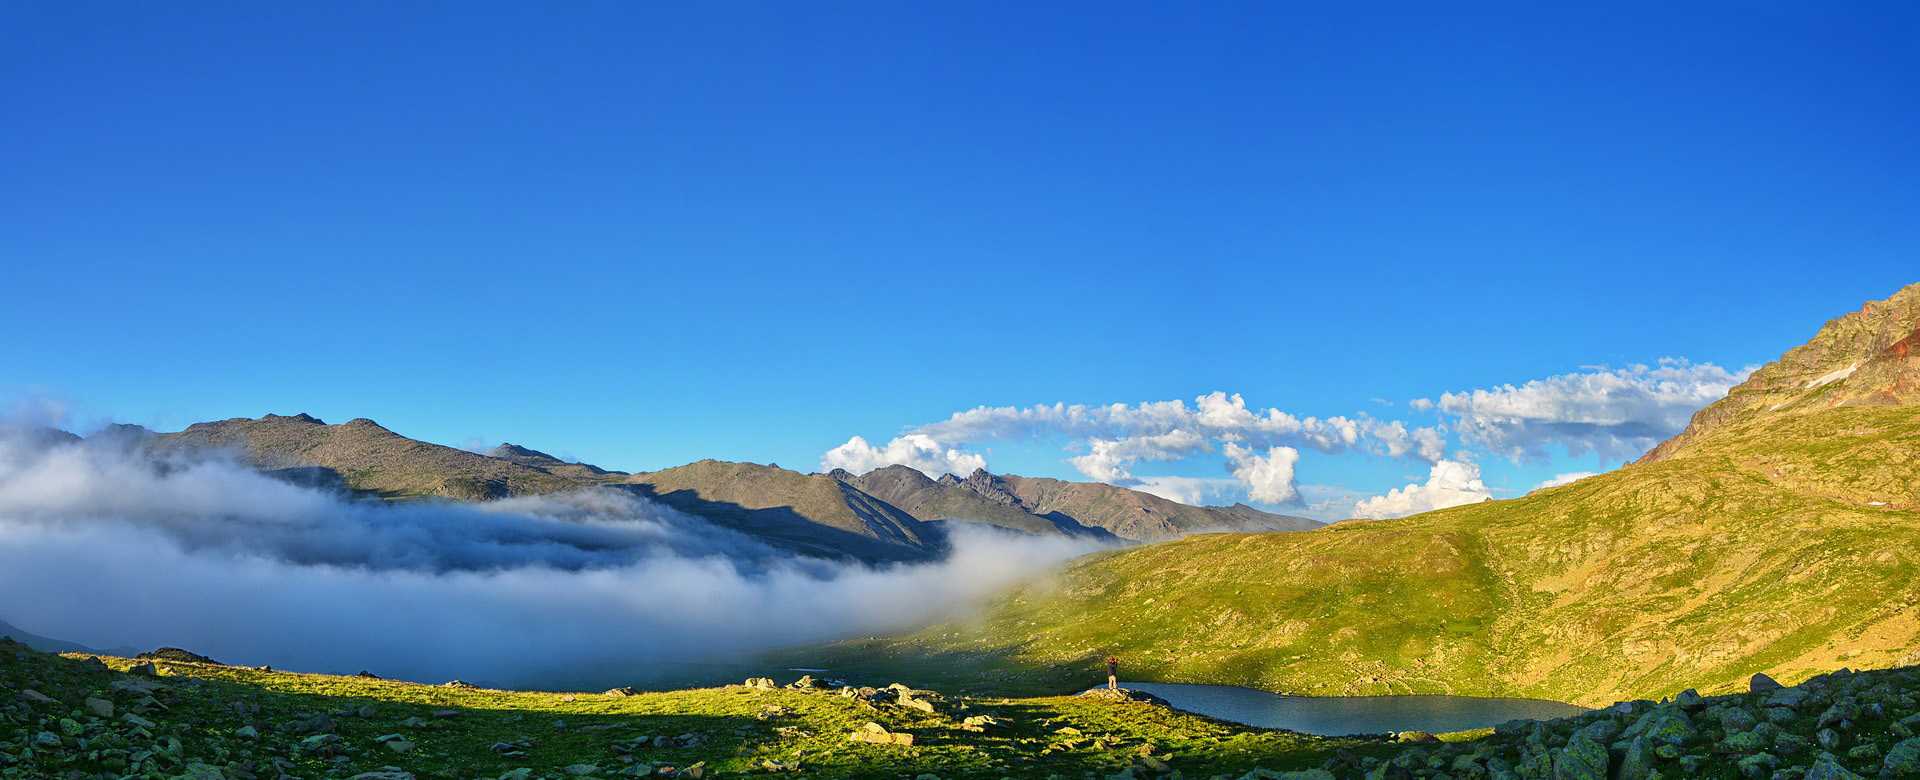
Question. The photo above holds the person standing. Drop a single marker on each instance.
(1113, 673)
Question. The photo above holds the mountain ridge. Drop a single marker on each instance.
(888, 514)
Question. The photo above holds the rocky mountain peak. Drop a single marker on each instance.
(1869, 357)
(991, 488)
(512, 451)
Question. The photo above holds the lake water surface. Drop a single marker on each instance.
(1341, 715)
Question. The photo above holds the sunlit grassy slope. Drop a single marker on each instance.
(1789, 545)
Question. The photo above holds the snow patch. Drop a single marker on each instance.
(1833, 376)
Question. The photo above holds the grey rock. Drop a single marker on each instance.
(1758, 766)
(1734, 719)
(1664, 725)
(1903, 759)
(1581, 759)
(1637, 763)
(1826, 767)
(1690, 700)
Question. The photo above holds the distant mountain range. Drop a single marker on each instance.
(1779, 533)
(49, 645)
(889, 514)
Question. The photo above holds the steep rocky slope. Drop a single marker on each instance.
(1777, 535)
(1053, 506)
(811, 512)
(930, 500)
(1870, 357)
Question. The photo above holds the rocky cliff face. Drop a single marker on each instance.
(814, 513)
(930, 500)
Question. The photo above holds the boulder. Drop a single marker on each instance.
(1690, 700)
(979, 722)
(1664, 724)
(1734, 719)
(1903, 759)
(1743, 742)
(1758, 766)
(1826, 767)
(1637, 762)
(879, 735)
(177, 654)
(1581, 759)
(1761, 683)
(99, 707)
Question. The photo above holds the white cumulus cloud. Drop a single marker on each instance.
(1269, 477)
(916, 450)
(1449, 483)
(1193, 491)
(1111, 460)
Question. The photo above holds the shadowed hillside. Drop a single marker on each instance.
(1778, 534)
(812, 512)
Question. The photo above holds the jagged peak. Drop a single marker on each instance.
(296, 417)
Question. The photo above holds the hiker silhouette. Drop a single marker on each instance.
(1113, 673)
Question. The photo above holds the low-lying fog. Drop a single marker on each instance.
(103, 545)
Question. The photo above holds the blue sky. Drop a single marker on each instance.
(643, 235)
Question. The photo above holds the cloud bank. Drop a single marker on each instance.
(105, 546)
(1261, 445)
(1612, 412)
